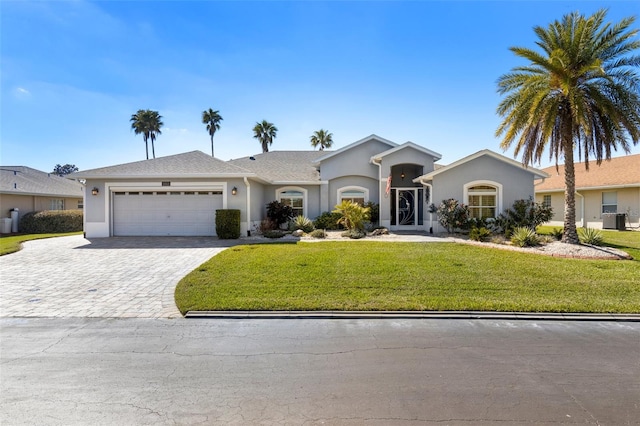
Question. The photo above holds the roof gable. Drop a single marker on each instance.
(369, 138)
(619, 171)
(408, 145)
(484, 152)
(188, 164)
(27, 181)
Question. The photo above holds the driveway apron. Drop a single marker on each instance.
(106, 277)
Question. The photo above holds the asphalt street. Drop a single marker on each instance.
(131, 371)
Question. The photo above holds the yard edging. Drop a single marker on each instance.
(468, 315)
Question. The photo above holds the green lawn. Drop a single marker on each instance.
(13, 243)
(408, 276)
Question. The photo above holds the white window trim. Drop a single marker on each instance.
(602, 205)
(497, 185)
(59, 204)
(305, 197)
(352, 188)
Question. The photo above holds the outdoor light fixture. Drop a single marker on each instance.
(95, 191)
(234, 191)
(402, 175)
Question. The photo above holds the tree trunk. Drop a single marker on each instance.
(153, 148)
(570, 234)
(212, 146)
(146, 147)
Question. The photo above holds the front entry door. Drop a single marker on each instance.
(406, 208)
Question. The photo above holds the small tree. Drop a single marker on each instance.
(279, 213)
(353, 215)
(67, 169)
(452, 215)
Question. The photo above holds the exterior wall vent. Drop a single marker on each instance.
(166, 183)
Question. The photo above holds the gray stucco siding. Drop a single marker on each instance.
(407, 156)
(312, 206)
(98, 208)
(372, 185)
(354, 162)
(516, 183)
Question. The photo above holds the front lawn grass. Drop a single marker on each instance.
(13, 243)
(375, 276)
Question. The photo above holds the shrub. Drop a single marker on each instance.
(328, 220)
(524, 237)
(318, 233)
(590, 236)
(353, 215)
(523, 213)
(274, 233)
(51, 221)
(228, 224)
(557, 233)
(279, 213)
(354, 234)
(479, 234)
(301, 222)
(451, 214)
(267, 225)
(374, 212)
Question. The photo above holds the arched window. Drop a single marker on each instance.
(294, 197)
(355, 194)
(483, 199)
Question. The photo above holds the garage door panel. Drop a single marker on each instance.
(165, 214)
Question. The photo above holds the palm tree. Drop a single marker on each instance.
(147, 123)
(265, 132)
(212, 119)
(580, 92)
(321, 138)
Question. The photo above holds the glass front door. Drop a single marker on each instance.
(406, 207)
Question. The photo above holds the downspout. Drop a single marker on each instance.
(584, 225)
(430, 186)
(248, 185)
(379, 164)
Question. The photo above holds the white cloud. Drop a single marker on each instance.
(22, 93)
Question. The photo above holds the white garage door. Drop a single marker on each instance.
(176, 213)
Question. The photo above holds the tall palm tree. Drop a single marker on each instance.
(212, 119)
(580, 92)
(147, 123)
(321, 138)
(265, 132)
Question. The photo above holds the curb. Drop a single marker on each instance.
(467, 315)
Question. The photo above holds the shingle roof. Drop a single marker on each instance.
(485, 152)
(27, 181)
(619, 171)
(283, 166)
(189, 164)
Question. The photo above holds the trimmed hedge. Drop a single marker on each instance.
(51, 221)
(228, 224)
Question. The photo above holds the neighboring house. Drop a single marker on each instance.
(606, 189)
(178, 195)
(31, 190)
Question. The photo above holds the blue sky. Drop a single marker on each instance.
(73, 72)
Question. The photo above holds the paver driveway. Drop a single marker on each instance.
(106, 277)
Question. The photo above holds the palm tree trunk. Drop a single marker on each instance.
(146, 147)
(153, 148)
(212, 146)
(570, 234)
